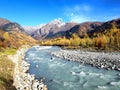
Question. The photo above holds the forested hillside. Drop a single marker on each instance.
(102, 38)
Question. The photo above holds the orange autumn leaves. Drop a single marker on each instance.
(109, 39)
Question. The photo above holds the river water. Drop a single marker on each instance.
(61, 74)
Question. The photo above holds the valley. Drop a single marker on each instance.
(81, 43)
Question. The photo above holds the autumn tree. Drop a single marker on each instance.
(75, 40)
(101, 41)
(6, 36)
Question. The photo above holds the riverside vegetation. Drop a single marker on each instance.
(10, 41)
(6, 70)
(106, 40)
(22, 79)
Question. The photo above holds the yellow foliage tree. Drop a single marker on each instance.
(101, 41)
(6, 36)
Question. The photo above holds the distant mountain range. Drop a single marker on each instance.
(32, 29)
(49, 30)
(58, 28)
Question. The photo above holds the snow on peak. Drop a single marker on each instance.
(57, 22)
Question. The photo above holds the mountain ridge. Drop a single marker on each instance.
(4, 21)
(75, 28)
(13, 35)
(48, 30)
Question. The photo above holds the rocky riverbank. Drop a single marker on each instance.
(97, 59)
(22, 79)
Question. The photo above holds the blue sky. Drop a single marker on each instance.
(34, 12)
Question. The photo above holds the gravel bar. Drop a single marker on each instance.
(110, 61)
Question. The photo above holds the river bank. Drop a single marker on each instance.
(22, 79)
(61, 74)
(6, 72)
(98, 59)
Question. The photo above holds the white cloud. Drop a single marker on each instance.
(78, 8)
(78, 13)
(78, 18)
(81, 8)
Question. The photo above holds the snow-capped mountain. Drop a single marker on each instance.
(58, 28)
(52, 28)
(57, 22)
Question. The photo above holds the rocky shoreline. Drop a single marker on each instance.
(22, 79)
(110, 61)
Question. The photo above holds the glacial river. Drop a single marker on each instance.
(61, 74)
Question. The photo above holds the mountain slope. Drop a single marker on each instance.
(58, 28)
(82, 29)
(106, 26)
(51, 29)
(91, 35)
(14, 39)
(3, 21)
(92, 27)
(31, 29)
(12, 26)
(13, 35)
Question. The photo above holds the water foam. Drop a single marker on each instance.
(115, 83)
(42, 48)
(102, 87)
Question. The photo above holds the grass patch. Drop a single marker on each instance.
(6, 70)
(8, 51)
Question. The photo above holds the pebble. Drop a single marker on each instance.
(36, 66)
(22, 79)
(98, 59)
